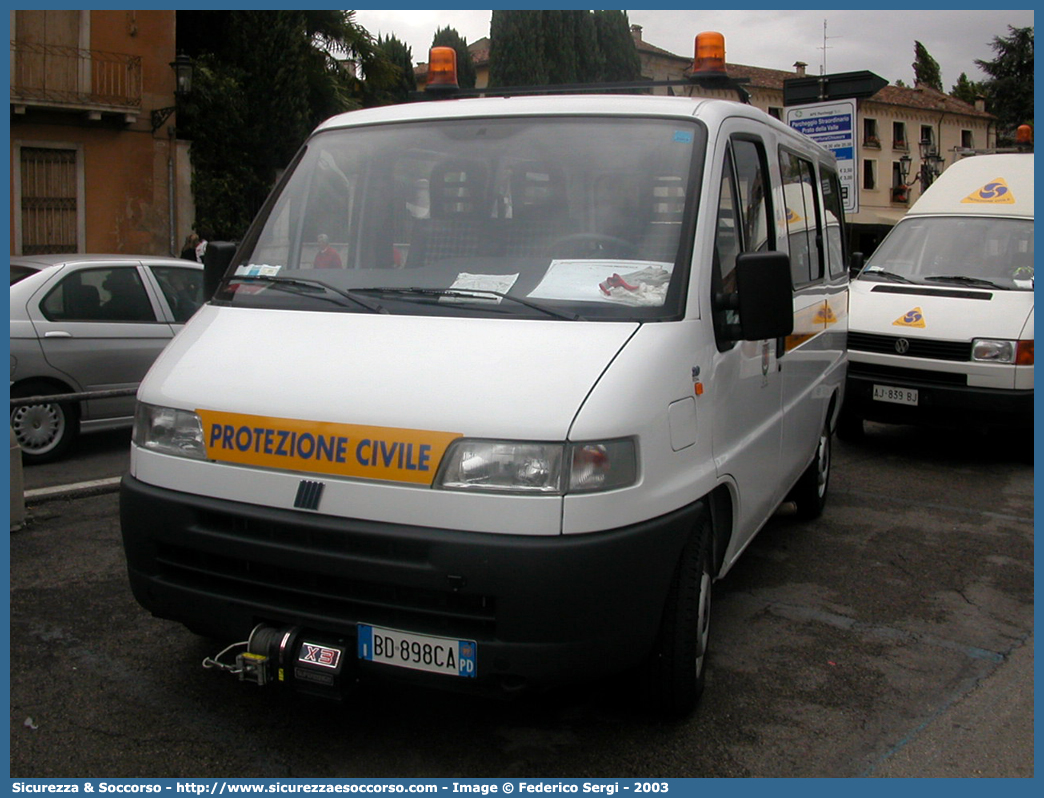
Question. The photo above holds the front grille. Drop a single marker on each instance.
(931, 349)
(312, 537)
(264, 579)
(889, 373)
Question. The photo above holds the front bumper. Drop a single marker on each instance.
(543, 610)
(939, 403)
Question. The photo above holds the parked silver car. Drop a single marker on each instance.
(87, 323)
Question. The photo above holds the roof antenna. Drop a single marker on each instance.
(825, 47)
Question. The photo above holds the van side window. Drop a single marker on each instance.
(758, 232)
(743, 220)
(835, 220)
(727, 237)
(804, 228)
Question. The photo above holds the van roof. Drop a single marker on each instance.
(999, 184)
(564, 105)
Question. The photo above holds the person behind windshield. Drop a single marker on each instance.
(327, 258)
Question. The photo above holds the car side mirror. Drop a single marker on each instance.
(855, 264)
(764, 297)
(216, 258)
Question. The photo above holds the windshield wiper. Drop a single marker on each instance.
(470, 293)
(891, 276)
(301, 282)
(964, 280)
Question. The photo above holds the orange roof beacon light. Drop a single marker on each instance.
(1024, 136)
(442, 70)
(710, 54)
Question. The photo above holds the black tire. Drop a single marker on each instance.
(810, 492)
(677, 668)
(45, 431)
(850, 426)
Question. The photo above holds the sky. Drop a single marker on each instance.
(881, 41)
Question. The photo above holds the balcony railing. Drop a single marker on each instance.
(57, 76)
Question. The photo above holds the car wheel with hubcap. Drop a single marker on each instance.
(44, 431)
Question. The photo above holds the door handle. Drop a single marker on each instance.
(58, 334)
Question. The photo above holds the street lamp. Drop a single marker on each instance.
(931, 165)
(182, 66)
(931, 162)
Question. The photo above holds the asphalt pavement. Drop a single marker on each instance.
(987, 731)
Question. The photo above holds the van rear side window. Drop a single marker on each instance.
(803, 223)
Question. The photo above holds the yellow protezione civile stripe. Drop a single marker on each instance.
(319, 447)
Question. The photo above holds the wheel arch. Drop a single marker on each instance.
(720, 505)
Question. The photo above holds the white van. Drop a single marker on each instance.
(941, 326)
(549, 383)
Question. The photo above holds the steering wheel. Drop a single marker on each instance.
(591, 243)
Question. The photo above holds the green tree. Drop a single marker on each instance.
(926, 69)
(516, 49)
(560, 52)
(263, 81)
(401, 57)
(590, 58)
(1009, 87)
(531, 48)
(967, 90)
(448, 37)
(616, 45)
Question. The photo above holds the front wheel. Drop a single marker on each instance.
(44, 431)
(810, 492)
(676, 671)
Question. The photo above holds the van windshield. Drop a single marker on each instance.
(545, 217)
(957, 250)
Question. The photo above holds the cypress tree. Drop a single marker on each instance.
(590, 58)
(926, 69)
(616, 44)
(401, 56)
(560, 52)
(516, 49)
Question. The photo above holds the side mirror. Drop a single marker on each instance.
(216, 258)
(855, 264)
(764, 297)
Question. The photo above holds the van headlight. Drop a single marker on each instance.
(991, 350)
(547, 469)
(168, 431)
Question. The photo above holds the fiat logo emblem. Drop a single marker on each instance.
(902, 346)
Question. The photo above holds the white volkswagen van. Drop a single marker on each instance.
(567, 361)
(941, 326)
